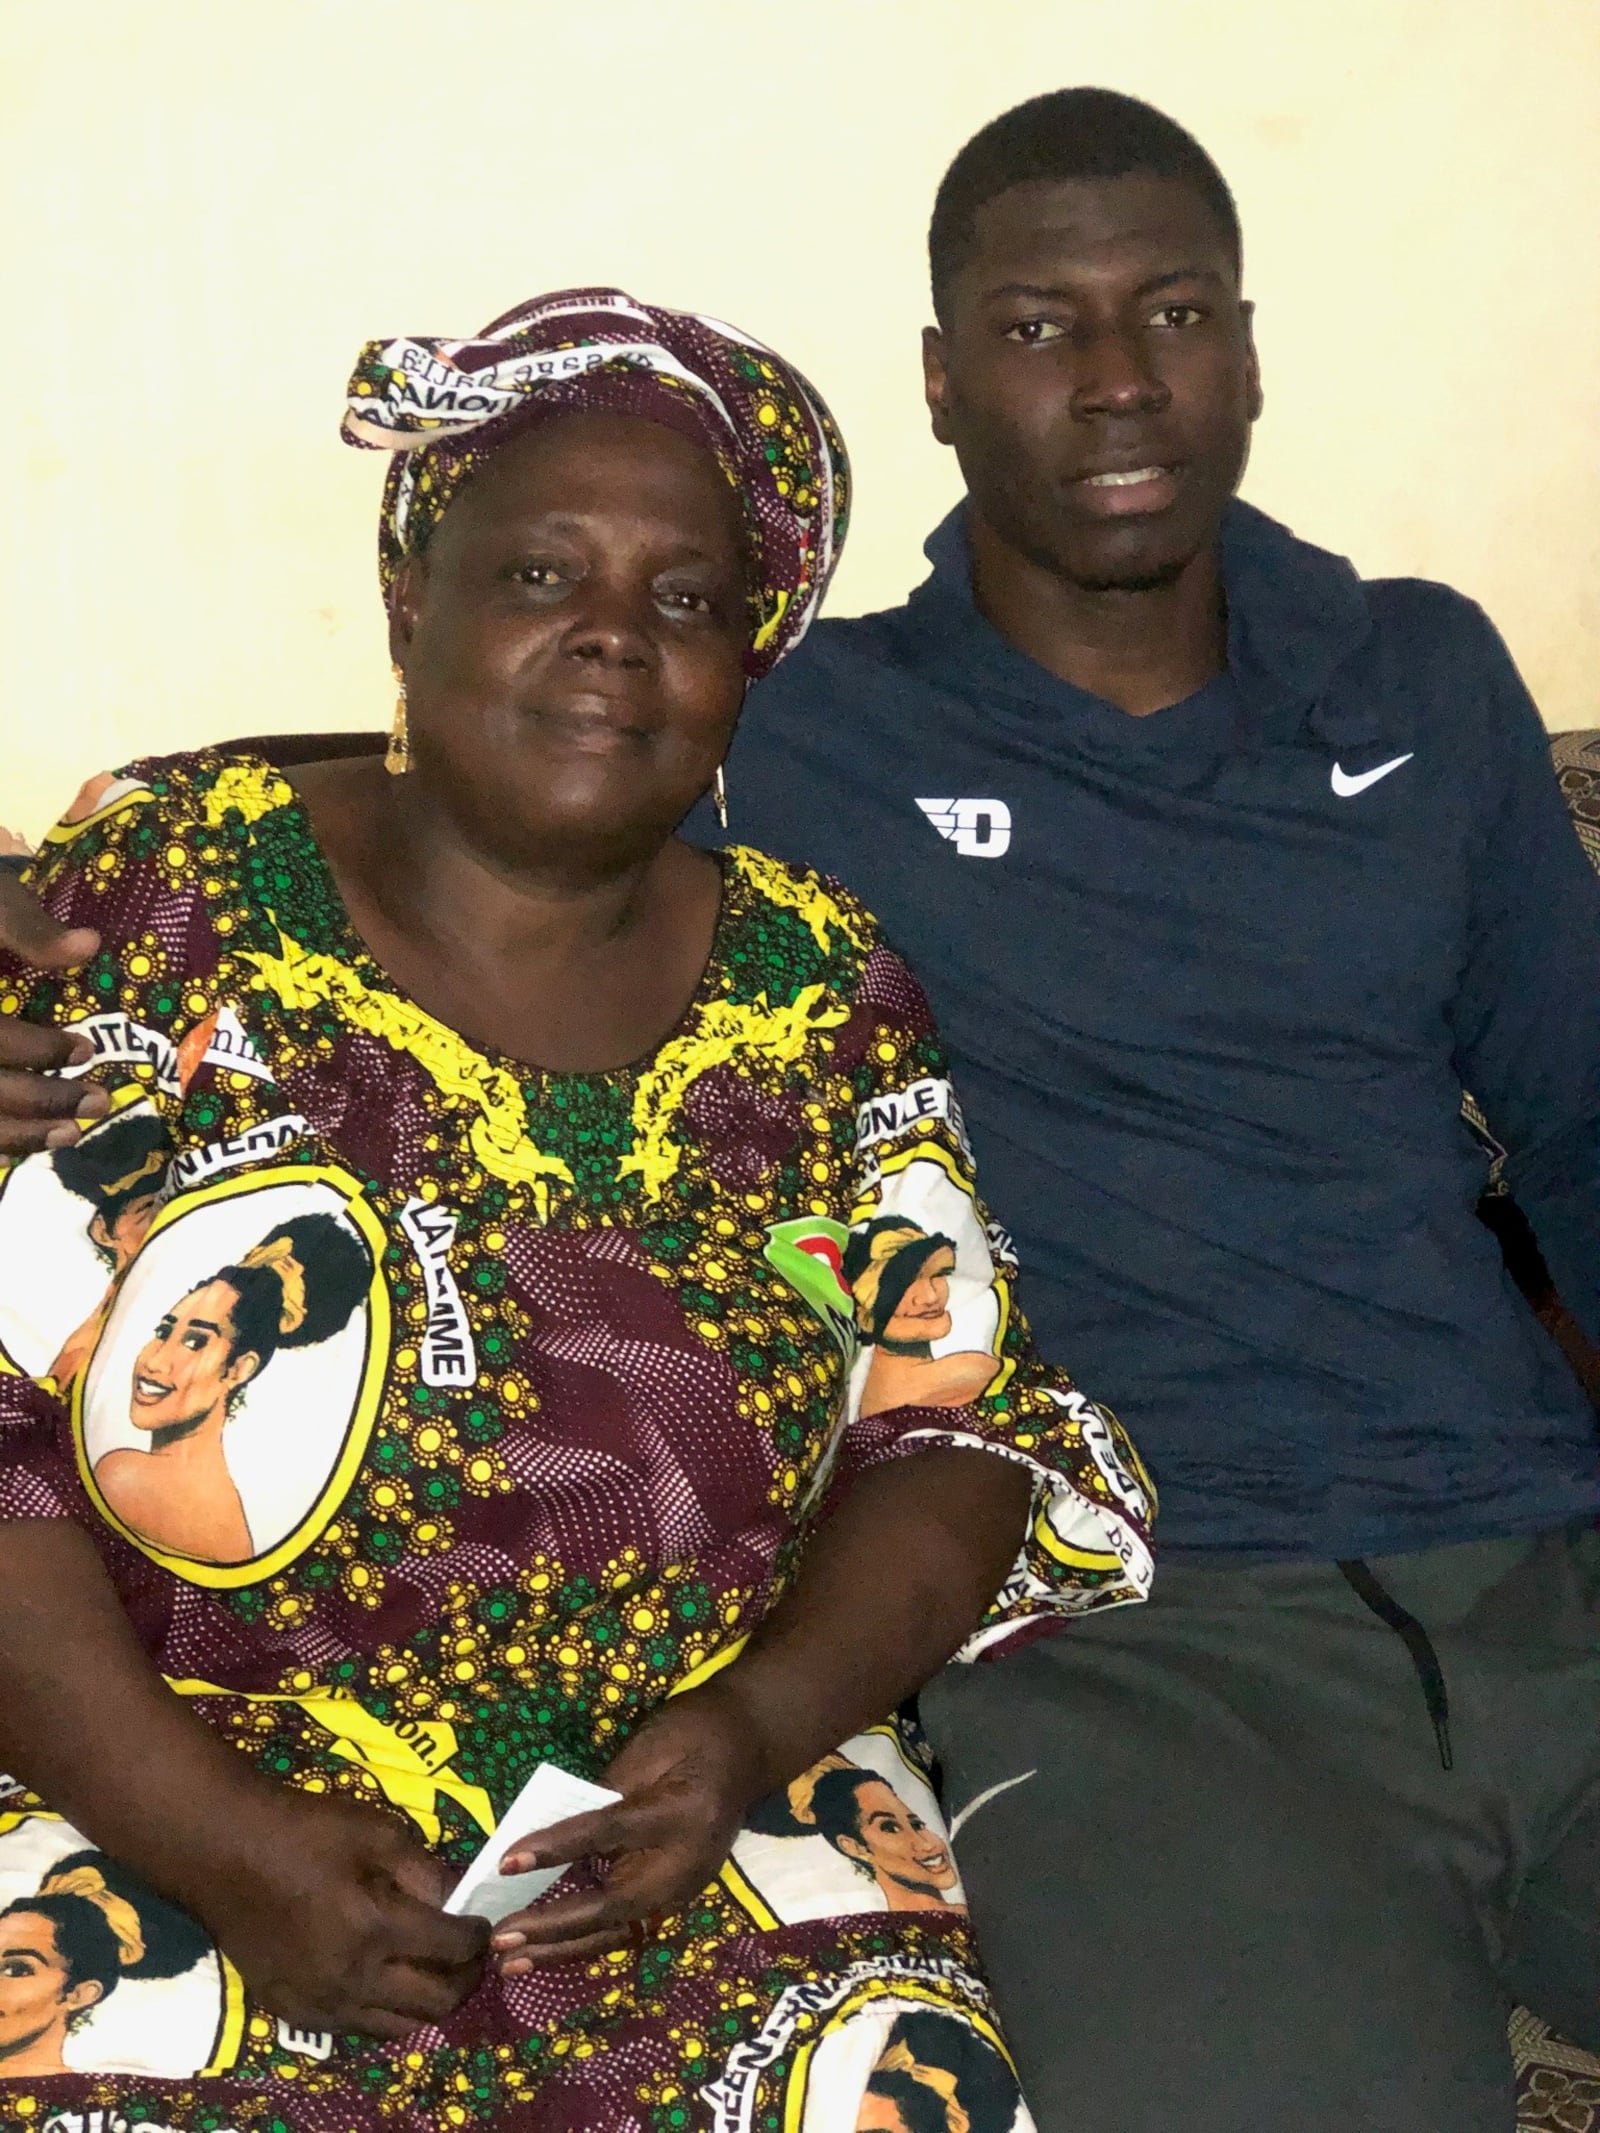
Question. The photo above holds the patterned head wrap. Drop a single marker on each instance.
(442, 406)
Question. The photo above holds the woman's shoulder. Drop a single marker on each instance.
(802, 918)
(199, 785)
(164, 841)
(823, 906)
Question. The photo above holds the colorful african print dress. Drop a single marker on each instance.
(436, 1418)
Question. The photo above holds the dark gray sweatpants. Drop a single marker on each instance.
(1236, 1890)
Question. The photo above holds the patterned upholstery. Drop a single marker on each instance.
(1558, 2086)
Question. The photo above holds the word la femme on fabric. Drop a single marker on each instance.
(503, 1399)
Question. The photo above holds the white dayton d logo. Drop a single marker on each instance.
(979, 829)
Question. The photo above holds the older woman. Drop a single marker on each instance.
(573, 1471)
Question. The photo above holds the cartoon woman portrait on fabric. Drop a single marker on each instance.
(59, 1291)
(228, 1376)
(860, 1830)
(95, 1968)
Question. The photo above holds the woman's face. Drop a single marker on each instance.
(923, 1313)
(573, 640)
(897, 1844)
(35, 1997)
(186, 1369)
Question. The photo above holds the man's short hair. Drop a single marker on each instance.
(1067, 133)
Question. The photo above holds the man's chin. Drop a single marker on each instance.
(1134, 558)
(1148, 581)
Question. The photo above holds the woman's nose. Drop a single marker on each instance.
(612, 627)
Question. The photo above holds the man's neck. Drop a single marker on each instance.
(1142, 651)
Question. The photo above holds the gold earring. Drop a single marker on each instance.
(397, 758)
(719, 796)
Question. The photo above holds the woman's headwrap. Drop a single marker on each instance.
(442, 406)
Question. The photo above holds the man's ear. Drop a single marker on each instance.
(936, 381)
(1252, 362)
(404, 605)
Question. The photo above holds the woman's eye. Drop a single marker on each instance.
(1031, 331)
(1178, 315)
(542, 575)
(685, 601)
(194, 1342)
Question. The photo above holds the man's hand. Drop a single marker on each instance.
(331, 1913)
(686, 1779)
(36, 1110)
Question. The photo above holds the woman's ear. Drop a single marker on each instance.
(82, 1997)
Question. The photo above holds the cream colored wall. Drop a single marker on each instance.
(212, 204)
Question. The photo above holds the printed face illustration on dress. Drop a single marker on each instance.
(910, 1289)
(88, 1955)
(71, 1223)
(40, 1990)
(904, 2045)
(936, 2074)
(233, 1370)
(859, 1831)
(908, 1859)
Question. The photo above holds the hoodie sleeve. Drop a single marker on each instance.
(1526, 1018)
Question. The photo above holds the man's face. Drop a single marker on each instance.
(1096, 376)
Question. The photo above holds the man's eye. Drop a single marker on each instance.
(1031, 331)
(1178, 315)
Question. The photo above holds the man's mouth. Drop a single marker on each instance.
(1124, 480)
(1120, 491)
(149, 1390)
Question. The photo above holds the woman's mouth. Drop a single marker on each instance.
(147, 1391)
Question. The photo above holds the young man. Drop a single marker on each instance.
(1228, 872)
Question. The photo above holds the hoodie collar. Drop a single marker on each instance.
(1296, 614)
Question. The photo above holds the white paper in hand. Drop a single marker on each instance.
(549, 1796)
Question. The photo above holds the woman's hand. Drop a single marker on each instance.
(330, 1912)
(686, 1779)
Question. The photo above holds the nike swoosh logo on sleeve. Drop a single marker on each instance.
(1347, 787)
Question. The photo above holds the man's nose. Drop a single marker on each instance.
(1116, 375)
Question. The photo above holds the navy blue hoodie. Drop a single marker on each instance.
(1213, 981)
